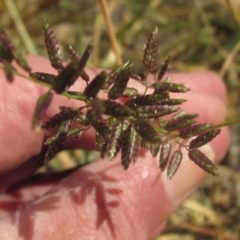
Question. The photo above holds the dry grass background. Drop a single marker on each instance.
(197, 34)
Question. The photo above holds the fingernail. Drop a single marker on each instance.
(188, 177)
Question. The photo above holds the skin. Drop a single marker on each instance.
(100, 200)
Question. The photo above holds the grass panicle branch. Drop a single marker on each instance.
(142, 120)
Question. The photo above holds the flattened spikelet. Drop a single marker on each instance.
(66, 78)
(98, 124)
(130, 92)
(55, 145)
(168, 86)
(171, 101)
(148, 99)
(6, 48)
(112, 108)
(8, 52)
(63, 115)
(6, 40)
(204, 138)
(179, 123)
(194, 130)
(83, 60)
(114, 143)
(43, 77)
(120, 84)
(146, 131)
(53, 48)
(112, 76)
(93, 88)
(153, 111)
(130, 147)
(101, 145)
(151, 52)
(40, 109)
(154, 148)
(72, 54)
(82, 119)
(138, 76)
(203, 162)
(136, 143)
(9, 71)
(163, 69)
(77, 95)
(183, 116)
(174, 163)
(75, 58)
(74, 134)
(164, 154)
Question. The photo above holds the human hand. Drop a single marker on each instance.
(100, 200)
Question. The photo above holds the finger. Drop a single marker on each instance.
(140, 193)
(109, 203)
(208, 82)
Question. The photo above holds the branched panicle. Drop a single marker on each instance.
(151, 52)
(53, 49)
(127, 119)
(202, 161)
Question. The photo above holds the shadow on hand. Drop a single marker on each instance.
(87, 184)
